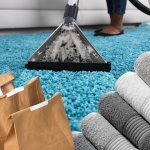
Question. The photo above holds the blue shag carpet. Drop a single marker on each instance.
(81, 91)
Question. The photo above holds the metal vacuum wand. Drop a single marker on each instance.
(71, 11)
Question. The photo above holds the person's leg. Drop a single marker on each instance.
(110, 8)
(110, 12)
(116, 25)
(119, 6)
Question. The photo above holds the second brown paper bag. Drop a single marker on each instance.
(41, 127)
(16, 100)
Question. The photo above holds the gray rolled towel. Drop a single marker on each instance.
(135, 92)
(125, 119)
(142, 67)
(102, 134)
(81, 142)
(115, 110)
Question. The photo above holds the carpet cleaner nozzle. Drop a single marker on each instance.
(67, 48)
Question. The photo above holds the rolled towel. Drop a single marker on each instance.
(115, 110)
(135, 92)
(81, 142)
(142, 67)
(102, 134)
(125, 119)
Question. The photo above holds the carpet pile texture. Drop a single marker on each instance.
(80, 91)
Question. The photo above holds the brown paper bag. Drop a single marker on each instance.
(6, 84)
(18, 99)
(41, 127)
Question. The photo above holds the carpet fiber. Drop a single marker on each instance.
(81, 91)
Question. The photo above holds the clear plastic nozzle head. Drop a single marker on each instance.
(72, 2)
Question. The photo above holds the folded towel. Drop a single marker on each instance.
(125, 119)
(81, 142)
(142, 67)
(135, 92)
(102, 134)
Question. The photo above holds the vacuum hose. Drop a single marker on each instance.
(71, 11)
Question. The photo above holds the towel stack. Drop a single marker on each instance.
(123, 118)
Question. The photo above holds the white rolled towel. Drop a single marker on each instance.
(135, 92)
(142, 67)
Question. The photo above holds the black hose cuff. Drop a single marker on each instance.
(71, 11)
